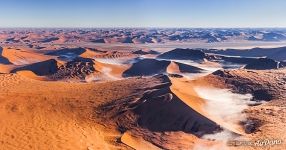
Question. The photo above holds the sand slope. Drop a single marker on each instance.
(148, 67)
(50, 115)
(47, 67)
(63, 119)
(3, 60)
(185, 91)
(22, 57)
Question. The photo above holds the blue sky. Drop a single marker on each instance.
(143, 13)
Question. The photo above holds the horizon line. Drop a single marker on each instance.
(142, 27)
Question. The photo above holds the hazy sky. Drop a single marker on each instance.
(143, 13)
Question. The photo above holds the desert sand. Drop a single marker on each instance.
(57, 96)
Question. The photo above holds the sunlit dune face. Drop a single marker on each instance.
(22, 57)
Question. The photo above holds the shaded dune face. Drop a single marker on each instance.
(97, 40)
(147, 67)
(263, 64)
(141, 52)
(273, 53)
(188, 68)
(158, 110)
(3, 60)
(164, 111)
(78, 68)
(201, 56)
(184, 54)
(47, 67)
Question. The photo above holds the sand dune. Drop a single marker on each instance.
(6, 68)
(178, 68)
(31, 75)
(85, 98)
(92, 53)
(88, 89)
(58, 117)
(184, 54)
(3, 60)
(113, 70)
(263, 64)
(173, 68)
(157, 110)
(137, 142)
(22, 57)
(186, 92)
(43, 68)
(272, 53)
(147, 67)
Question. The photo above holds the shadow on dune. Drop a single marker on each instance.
(273, 53)
(43, 68)
(148, 67)
(184, 54)
(158, 110)
(164, 111)
(3, 60)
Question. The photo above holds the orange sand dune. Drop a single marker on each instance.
(90, 53)
(114, 70)
(51, 115)
(173, 68)
(106, 72)
(32, 75)
(137, 142)
(184, 89)
(22, 57)
(42, 68)
(160, 113)
(6, 68)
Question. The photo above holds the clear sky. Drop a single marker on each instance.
(143, 13)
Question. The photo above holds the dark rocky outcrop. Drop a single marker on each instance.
(78, 68)
(264, 85)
